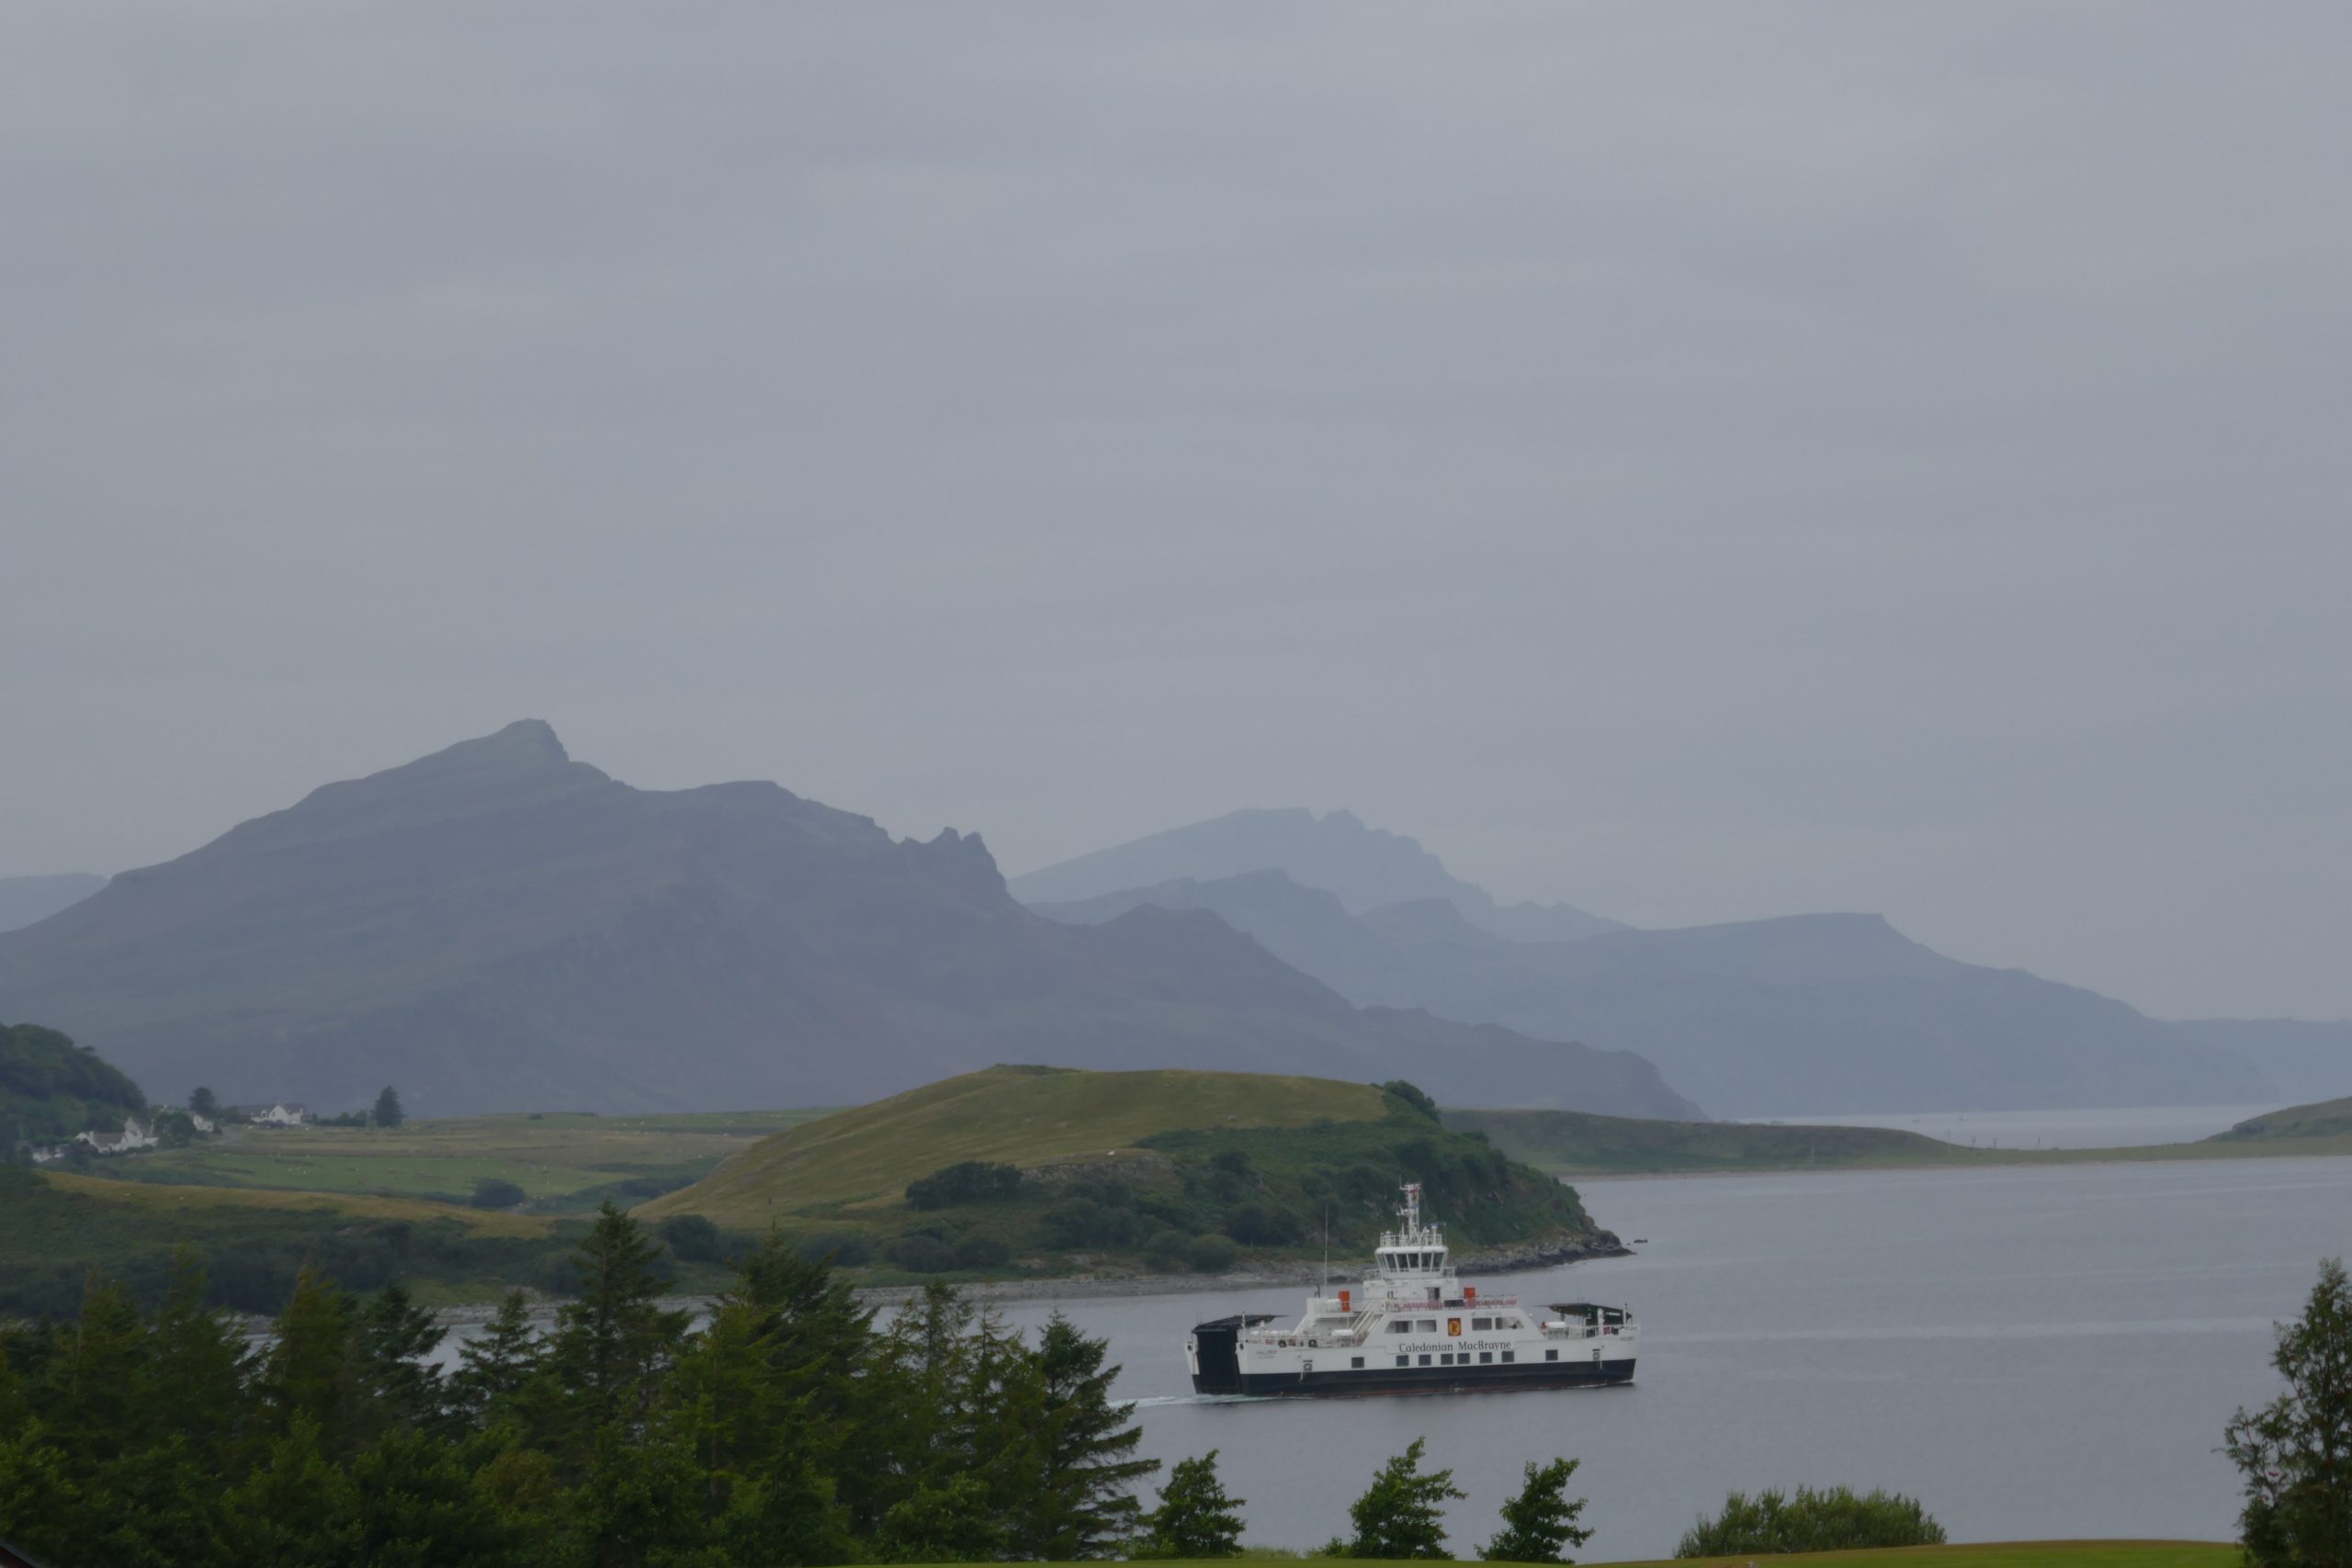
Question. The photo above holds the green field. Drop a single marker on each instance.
(563, 1162)
(56, 1228)
(1571, 1143)
(1991, 1554)
(863, 1159)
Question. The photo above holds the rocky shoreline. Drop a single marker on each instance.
(1085, 1287)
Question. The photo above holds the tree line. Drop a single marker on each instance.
(789, 1427)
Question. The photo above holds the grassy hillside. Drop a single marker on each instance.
(563, 1162)
(55, 1228)
(2327, 1119)
(1569, 1144)
(51, 1088)
(1571, 1141)
(1997, 1554)
(1161, 1169)
(1023, 1116)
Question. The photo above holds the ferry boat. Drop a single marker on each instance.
(1413, 1327)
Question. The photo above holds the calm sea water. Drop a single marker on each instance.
(2035, 1353)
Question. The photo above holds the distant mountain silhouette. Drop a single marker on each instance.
(2302, 1061)
(496, 926)
(1364, 867)
(24, 899)
(1806, 1014)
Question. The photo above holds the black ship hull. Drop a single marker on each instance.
(1342, 1384)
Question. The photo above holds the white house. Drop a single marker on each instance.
(277, 1114)
(135, 1135)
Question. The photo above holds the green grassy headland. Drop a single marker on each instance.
(1571, 1143)
(1998, 1554)
(1125, 1171)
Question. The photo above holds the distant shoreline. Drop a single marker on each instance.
(1982, 1159)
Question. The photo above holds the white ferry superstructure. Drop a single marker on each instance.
(1413, 1327)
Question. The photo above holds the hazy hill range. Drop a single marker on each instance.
(498, 926)
(1814, 1013)
(24, 899)
(1363, 867)
(2300, 1060)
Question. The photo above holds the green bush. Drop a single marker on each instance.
(497, 1193)
(1262, 1224)
(690, 1238)
(1834, 1521)
(1209, 1254)
(1082, 1222)
(967, 1181)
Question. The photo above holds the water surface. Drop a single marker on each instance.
(2035, 1352)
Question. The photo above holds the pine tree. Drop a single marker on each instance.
(2296, 1452)
(1196, 1519)
(1086, 1446)
(196, 1365)
(493, 1367)
(1541, 1522)
(613, 1343)
(388, 1112)
(205, 1104)
(396, 1341)
(306, 1374)
(1402, 1514)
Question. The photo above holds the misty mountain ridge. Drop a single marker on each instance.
(1821, 1014)
(497, 926)
(25, 900)
(1364, 867)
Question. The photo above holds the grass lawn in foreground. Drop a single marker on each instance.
(1989, 1554)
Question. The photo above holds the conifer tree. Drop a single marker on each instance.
(195, 1384)
(2296, 1452)
(1401, 1515)
(1086, 1446)
(1196, 1519)
(306, 1372)
(1539, 1524)
(493, 1366)
(396, 1341)
(388, 1112)
(612, 1344)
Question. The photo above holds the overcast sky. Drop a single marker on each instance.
(1700, 463)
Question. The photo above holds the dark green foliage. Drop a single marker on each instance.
(2296, 1452)
(1083, 1222)
(690, 1238)
(1209, 1254)
(205, 1103)
(967, 1181)
(1411, 1096)
(1196, 1519)
(1401, 1515)
(250, 1255)
(388, 1112)
(51, 1088)
(1262, 1224)
(1832, 1520)
(497, 1193)
(785, 1431)
(1539, 1524)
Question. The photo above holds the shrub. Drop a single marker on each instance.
(1082, 1222)
(1196, 1519)
(1402, 1514)
(497, 1193)
(1167, 1249)
(920, 1254)
(690, 1238)
(982, 1252)
(1834, 1521)
(1262, 1224)
(1209, 1254)
(1539, 1524)
(1412, 1097)
(967, 1181)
